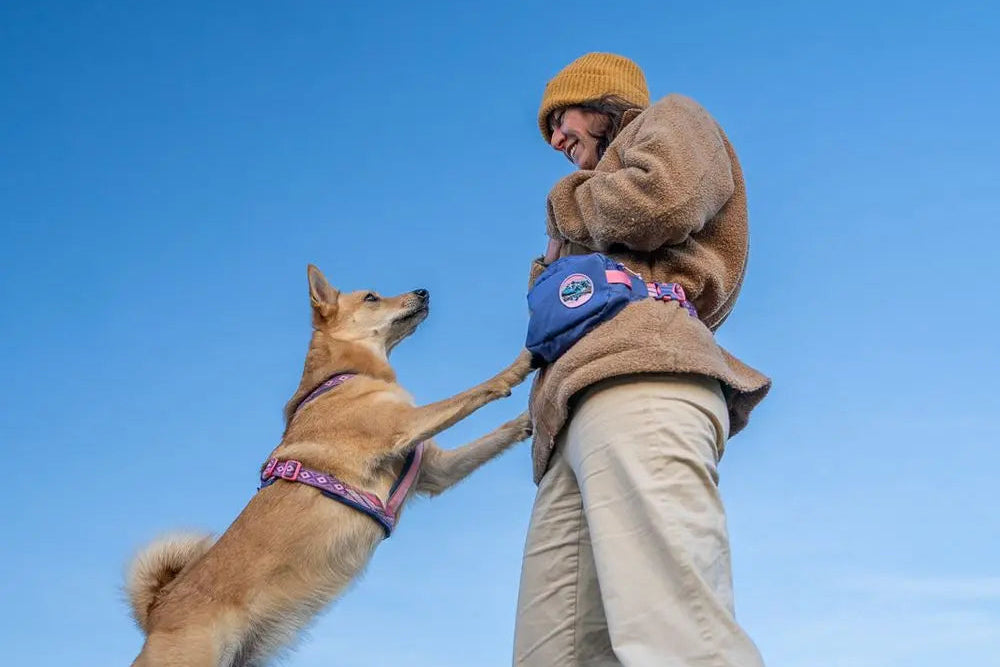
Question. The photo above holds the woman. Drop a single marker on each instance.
(627, 556)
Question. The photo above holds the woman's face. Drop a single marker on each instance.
(576, 132)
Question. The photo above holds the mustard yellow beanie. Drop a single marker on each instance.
(591, 77)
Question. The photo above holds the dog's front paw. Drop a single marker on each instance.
(520, 428)
(502, 383)
(519, 370)
(498, 388)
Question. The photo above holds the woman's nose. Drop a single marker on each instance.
(558, 139)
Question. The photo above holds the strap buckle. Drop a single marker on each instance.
(288, 470)
(667, 291)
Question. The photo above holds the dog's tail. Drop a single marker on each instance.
(156, 566)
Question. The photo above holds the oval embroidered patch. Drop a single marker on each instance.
(576, 290)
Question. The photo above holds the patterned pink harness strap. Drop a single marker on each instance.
(386, 514)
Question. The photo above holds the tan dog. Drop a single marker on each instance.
(238, 600)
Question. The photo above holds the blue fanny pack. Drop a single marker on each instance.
(576, 293)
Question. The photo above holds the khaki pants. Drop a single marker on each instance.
(627, 555)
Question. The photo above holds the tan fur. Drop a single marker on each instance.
(156, 566)
(292, 550)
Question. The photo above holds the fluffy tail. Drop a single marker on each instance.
(156, 566)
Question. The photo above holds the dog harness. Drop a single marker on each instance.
(385, 514)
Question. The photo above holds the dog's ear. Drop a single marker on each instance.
(321, 294)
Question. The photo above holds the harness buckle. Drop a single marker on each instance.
(289, 470)
(667, 291)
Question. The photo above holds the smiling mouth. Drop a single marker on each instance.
(571, 151)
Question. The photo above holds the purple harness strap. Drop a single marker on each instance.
(386, 514)
(329, 384)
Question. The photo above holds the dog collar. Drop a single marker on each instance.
(331, 383)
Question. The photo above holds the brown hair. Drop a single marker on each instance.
(611, 107)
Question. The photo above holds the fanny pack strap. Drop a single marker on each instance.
(656, 291)
(619, 277)
(671, 292)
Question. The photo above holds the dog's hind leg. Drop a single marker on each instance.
(428, 420)
(441, 469)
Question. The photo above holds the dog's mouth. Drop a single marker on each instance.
(415, 316)
(406, 324)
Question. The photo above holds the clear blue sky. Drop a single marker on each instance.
(168, 169)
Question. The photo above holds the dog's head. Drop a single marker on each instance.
(368, 318)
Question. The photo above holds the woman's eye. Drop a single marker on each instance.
(371, 297)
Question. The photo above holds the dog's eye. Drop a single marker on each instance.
(371, 297)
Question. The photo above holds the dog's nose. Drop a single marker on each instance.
(422, 293)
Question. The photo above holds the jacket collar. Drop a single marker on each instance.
(629, 116)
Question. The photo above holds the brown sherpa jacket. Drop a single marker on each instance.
(667, 200)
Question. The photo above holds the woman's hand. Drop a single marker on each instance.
(552, 252)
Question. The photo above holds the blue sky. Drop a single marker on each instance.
(167, 170)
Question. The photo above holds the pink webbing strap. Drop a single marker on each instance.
(657, 291)
(402, 487)
(618, 277)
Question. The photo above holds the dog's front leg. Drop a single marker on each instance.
(427, 421)
(441, 468)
